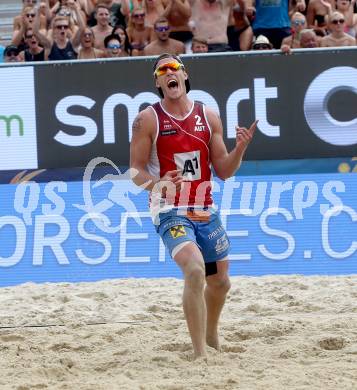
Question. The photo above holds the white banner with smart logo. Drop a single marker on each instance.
(18, 141)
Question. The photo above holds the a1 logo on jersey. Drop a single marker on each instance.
(199, 125)
(189, 164)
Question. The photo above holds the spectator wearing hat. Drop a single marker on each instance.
(11, 54)
(272, 18)
(163, 43)
(199, 45)
(337, 36)
(262, 43)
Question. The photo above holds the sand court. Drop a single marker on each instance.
(277, 332)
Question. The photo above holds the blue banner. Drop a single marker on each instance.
(92, 230)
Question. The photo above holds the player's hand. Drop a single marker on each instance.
(244, 135)
(170, 183)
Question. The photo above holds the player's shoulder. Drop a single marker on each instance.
(213, 118)
(147, 114)
(211, 114)
(145, 121)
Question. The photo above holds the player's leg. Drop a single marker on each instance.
(214, 243)
(190, 260)
(218, 285)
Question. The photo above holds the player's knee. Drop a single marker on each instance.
(220, 285)
(195, 276)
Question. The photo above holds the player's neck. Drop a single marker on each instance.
(178, 108)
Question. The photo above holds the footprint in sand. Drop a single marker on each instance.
(97, 296)
(233, 348)
(11, 337)
(332, 343)
(175, 347)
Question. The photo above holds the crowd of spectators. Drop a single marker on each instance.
(91, 29)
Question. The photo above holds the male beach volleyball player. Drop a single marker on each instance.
(174, 143)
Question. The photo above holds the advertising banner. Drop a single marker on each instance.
(87, 231)
(18, 136)
(306, 104)
(62, 115)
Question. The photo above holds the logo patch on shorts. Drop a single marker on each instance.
(178, 231)
(222, 244)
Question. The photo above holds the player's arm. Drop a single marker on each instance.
(143, 133)
(226, 164)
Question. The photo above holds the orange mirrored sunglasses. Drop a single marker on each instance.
(162, 69)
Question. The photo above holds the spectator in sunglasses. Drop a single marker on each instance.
(26, 18)
(337, 36)
(262, 43)
(103, 27)
(61, 43)
(124, 39)
(112, 46)
(346, 7)
(163, 43)
(34, 51)
(11, 54)
(138, 32)
(298, 23)
(87, 50)
(23, 22)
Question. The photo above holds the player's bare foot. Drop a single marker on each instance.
(213, 342)
(200, 358)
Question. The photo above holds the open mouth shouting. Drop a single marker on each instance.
(172, 84)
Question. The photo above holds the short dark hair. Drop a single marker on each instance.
(101, 5)
(109, 37)
(178, 59)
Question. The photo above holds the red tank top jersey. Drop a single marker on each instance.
(184, 144)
